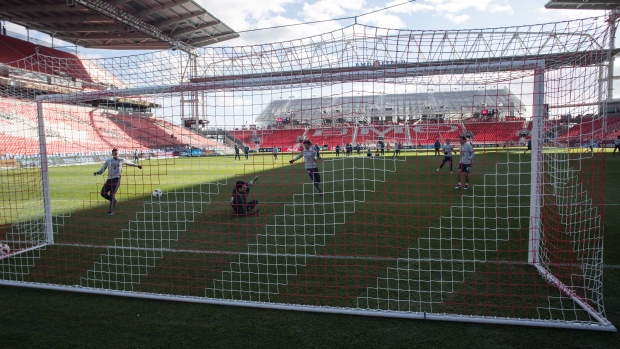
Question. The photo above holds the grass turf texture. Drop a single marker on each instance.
(427, 196)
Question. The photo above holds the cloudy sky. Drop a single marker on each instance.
(420, 14)
(242, 15)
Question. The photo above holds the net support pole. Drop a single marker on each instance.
(47, 202)
(536, 164)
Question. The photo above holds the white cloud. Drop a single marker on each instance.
(328, 9)
(452, 10)
(458, 19)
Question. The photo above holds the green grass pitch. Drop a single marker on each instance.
(300, 255)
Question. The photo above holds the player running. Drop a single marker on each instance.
(115, 169)
(310, 157)
(239, 199)
(447, 155)
(467, 156)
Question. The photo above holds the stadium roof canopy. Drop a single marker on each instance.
(445, 104)
(583, 4)
(120, 24)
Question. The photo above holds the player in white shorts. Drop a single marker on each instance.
(310, 156)
(115, 169)
(447, 155)
(467, 157)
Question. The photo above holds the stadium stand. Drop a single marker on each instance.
(72, 129)
(587, 125)
(500, 131)
(331, 136)
(388, 134)
(14, 51)
(267, 138)
(427, 133)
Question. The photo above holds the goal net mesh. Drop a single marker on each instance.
(394, 219)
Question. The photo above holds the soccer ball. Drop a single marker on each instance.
(157, 193)
(4, 249)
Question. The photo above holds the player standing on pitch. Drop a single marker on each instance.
(115, 169)
(447, 155)
(616, 146)
(239, 199)
(467, 155)
(275, 152)
(310, 157)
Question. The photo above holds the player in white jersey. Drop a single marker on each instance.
(616, 145)
(447, 154)
(310, 156)
(467, 156)
(274, 151)
(115, 169)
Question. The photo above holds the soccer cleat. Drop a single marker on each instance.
(457, 187)
(110, 213)
(437, 170)
(451, 172)
(466, 187)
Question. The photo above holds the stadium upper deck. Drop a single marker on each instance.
(393, 107)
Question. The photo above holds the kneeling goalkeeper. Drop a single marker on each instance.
(239, 199)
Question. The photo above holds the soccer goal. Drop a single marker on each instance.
(438, 175)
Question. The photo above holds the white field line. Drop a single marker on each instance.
(337, 257)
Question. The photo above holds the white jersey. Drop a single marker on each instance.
(617, 141)
(115, 167)
(467, 154)
(309, 158)
(447, 149)
(275, 150)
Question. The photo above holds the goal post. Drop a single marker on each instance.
(45, 181)
(536, 166)
(427, 202)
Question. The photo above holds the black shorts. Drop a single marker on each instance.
(111, 186)
(465, 168)
(447, 158)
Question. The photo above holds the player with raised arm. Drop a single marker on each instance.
(115, 169)
(447, 155)
(239, 199)
(467, 156)
(310, 157)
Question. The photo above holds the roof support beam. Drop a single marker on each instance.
(137, 24)
(67, 19)
(91, 28)
(38, 8)
(192, 29)
(103, 36)
(178, 19)
(144, 14)
(116, 2)
(212, 38)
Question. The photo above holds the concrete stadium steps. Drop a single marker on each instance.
(472, 233)
(306, 225)
(154, 230)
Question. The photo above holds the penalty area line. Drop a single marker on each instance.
(337, 257)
